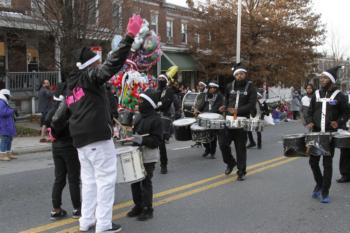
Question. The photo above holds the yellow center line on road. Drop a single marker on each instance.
(50, 226)
(179, 196)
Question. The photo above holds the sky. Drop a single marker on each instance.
(336, 17)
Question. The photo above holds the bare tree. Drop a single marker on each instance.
(72, 24)
(279, 38)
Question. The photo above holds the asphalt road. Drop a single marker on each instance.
(194, 196)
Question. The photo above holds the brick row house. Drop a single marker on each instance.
(28, 53)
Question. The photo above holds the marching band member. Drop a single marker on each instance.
(146, 123)
(91, 128)
(202, 88)
(261, 110)
(212, 101)
(240, 99)
(327, 108)
(166, 94)
(344, 161)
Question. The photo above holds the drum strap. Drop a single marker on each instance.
(238, 91)
(324, 102)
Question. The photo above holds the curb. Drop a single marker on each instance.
(20, 151)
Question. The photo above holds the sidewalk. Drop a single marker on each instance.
(24, 145)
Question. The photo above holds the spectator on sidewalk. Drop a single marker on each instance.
(7, 126)
(295, 105)
(305, 101)
(45, 100)
(65, 157)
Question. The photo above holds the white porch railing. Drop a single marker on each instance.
(29, 81)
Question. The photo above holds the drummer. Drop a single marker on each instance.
(344, 161)
(165, 107)
(240, 99)
(212, 101)
(335, 110)
(202, 89)
(146, 123)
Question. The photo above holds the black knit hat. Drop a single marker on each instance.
(332, 73)
(213, 84)
(238, 67)
(151, 96)
(86, 58)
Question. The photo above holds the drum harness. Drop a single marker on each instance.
(238, 93)
(324, 102)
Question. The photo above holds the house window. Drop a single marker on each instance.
(169, 31)
(32, 59)
(154, 23)
(184, 33)
(5, 3)
(196, 38)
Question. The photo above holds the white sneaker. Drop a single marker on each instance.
(86, 228)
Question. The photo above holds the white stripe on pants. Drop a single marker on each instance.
(98, 176)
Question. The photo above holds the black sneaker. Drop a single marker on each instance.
(163, 170)
(205, 154)
(76, 213)
(251, 145)
(58, 215)
(134, 212)
(115, 228)
(241, 175)
(212, 156)
(147, 213)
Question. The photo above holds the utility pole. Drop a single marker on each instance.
(238, 44)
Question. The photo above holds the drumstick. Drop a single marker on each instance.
(128, 139)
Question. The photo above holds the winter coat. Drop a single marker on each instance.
(90, 119)
(335, 111)
(45, 100)
(247, 99)
(295, 104)
(166, 97)
(57, 119)
(149, 123)
(216, 102)
(7, 121)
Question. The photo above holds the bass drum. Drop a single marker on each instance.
(189, 102)
(342, 141)
(318, 143)
(294, 145)
(183, 129)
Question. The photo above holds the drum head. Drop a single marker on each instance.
(184, 121)
(126, 149)
(291, 136)
(341, 135)
(238, 118)
(196, 127)
(210, 116)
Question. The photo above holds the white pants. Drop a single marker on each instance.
(98, 176)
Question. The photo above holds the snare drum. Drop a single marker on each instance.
(201, 134)
(182, 128)
(318, 143)
(341, 140)
(254, 125)
(130, 167)
(211, 121)
(294, 145)
(240, 122)
(188, 103)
